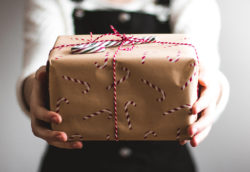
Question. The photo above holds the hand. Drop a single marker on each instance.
(205, 106)
(41, 117)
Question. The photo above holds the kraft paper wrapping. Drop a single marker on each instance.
(153, 82)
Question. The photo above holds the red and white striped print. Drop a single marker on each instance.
(178, 133)
(143, 57)
(75, 137)
(59, 101)
(177, 109)
(107, 137)
(86, 84)
(148, 133)
(189, 80)
(127, 114)
(122, 79)
(163, 94)
(98, 113)
(105, 62)
(174, 60)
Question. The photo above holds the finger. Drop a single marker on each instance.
(40, 73)
(183, 142)
(67, 145)
(43, 114)
(40, 88)
(203, 122)
(203, 101)
(197, 139)
(40, 130)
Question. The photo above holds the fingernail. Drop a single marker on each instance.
(59, 137)
(194, 130)
(195, 111)
(76, 145)
(182, 143)
(55, 119)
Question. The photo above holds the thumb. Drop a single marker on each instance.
(41, 74)
(40, 86)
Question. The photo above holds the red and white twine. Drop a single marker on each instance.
(96, 47)
(122, 79)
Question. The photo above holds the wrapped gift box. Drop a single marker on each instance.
(156, 87)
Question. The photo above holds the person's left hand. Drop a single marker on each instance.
(205, 106)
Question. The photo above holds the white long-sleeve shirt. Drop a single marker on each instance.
(46, 19)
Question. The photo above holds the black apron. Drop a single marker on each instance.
(122, 156)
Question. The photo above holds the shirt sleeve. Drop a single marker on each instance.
(201, 20)
(43, 22)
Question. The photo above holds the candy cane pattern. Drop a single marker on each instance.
(105, 62)
(122, 79)
(174, 60)
(127, 114)
(107, 137)
(176, 109)
(143, 58)
(156, 88)
(86, 84)
(178, 133)
(148, 133)
(189, 80)
(75, 137)
(98, 113)
(59, 101)
(193, 64)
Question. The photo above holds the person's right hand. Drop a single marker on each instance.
(41, 117)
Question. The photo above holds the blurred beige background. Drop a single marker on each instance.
(226, 149)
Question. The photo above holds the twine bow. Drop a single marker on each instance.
(97, 45)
